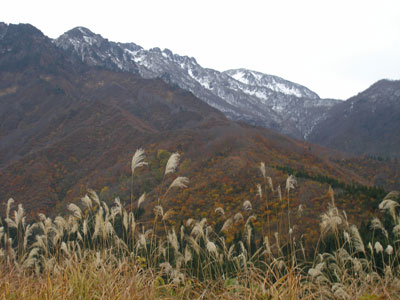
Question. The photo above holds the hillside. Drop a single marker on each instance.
(66, 127)
(367, 123)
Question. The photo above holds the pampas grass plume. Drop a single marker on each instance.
(138, 160)
(262, 169)
(179, 182)
(172, 163)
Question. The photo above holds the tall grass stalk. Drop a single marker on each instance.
(104, 252)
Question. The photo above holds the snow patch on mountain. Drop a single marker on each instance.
(257, 98)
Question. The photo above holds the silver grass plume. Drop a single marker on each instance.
(262, 169)
(40, 242)
(389, 206)
(141, 199)
(370, 248)
(75, 227)
(132, 222)
(330, 220)
(243, 248)
(280, 193)
(166, 216)
(227, 225)
(291, 183)
(138, 160)
(259, 190)
(378, 247)
(238, 217)
(166, 267)
(189, 222)
(42, 217)
(220, 210)
(248, 235)
(230, 251)
(172, 163)
(396, 231)
(376, 224)
(162, 251)
(173, 240)
(106, 209)
(85, 227)
(109, 229)
(60, 222)
(158, 211)
(31, 260)
(64, 248)
(276, 235)
(118, 205)
(198, 228)
(9, 203)
(339, 291)
(179, 182)
(356, 239)
(182, 233)
(271, 186)
(194, 244)
(115, 211)
(300, 210)
(212, 248)
(125, 220)
(188, 254)
(332, 195)
(28, 232)
(317, 271)
(11, 223)
(389, 250)
(19, 216)
(142, 241)
(99, 223)
(267, 246)
(247, 205)
(346, 236)
(93, 195)
(250, 219)
(87, 202)
(76, 211)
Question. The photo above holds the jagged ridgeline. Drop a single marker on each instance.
(241, 94)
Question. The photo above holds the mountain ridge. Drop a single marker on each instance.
(265, 105)
(368, 121)
(66, 126)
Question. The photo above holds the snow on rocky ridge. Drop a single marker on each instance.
(241, 94)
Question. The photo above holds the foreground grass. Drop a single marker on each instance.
(78, 280)
(102, 252)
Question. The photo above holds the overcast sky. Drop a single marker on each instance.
(336, 48)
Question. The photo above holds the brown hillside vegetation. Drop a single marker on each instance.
(66, 127)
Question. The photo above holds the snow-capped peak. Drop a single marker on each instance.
(241, 94)
(274, 83)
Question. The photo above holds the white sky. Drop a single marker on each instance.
(336, 48)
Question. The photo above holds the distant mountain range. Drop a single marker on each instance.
(250, 96)
(364, 124)
(357, 126)
(67, 124)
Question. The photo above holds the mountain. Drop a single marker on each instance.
(364, 124)
(66, 126)
(250, 96)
